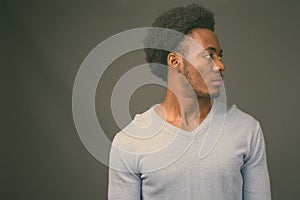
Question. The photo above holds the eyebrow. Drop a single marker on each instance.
(214, 49)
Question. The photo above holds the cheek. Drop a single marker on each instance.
(198, 75)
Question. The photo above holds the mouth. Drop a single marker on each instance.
(217, 81)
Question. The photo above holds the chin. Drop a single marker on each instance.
(215, 95)
(211, 95)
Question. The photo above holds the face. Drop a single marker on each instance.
(204, 72)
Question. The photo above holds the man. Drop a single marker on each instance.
(160, 154)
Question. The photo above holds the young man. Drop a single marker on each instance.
(160, 154)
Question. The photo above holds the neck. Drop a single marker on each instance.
(184, 111)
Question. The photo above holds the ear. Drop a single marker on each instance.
(175, 61)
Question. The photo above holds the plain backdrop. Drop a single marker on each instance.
(44, 43)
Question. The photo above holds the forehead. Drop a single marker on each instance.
(206, 38)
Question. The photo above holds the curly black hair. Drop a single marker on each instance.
(181, 19)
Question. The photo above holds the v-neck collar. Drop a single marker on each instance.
(199, 129)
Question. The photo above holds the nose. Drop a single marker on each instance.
(218, 65)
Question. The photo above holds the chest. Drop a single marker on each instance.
(221, 165)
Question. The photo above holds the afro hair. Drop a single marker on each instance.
(181, 19)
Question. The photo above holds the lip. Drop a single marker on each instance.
(217, 82)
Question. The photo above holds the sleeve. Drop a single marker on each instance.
(124, 180)
(256, 182)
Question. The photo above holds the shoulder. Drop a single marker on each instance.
(241, 125)
(242, 128)
(238, 118)
(143, 134)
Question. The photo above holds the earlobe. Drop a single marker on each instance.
(177, 67)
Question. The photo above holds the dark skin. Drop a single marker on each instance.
(191, 88)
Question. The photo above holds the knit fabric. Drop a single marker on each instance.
(152, 159)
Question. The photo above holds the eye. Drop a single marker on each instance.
(211, 56)
(208, 56)
(220, 57)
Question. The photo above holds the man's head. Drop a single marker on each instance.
(198, 23)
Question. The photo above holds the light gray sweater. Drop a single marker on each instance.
(152, 159)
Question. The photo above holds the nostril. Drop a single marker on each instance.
(218, 67)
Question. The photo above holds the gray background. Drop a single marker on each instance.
(46, 41)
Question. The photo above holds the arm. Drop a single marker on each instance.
(255, 170)
(124, 181)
